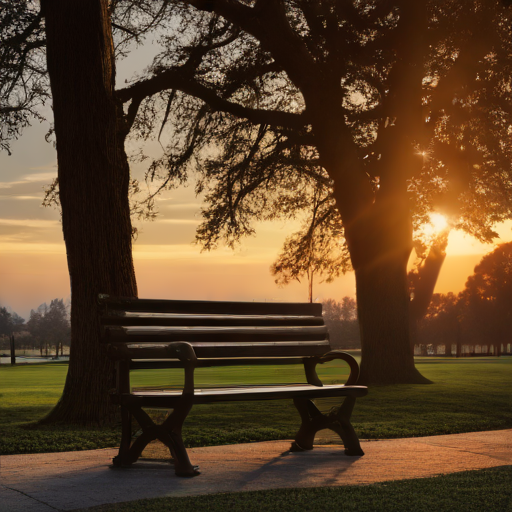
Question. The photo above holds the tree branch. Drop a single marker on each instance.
(177, 79)
(267, 22)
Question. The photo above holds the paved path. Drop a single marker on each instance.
(66, 481)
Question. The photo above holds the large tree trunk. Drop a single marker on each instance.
(378, 230)
(93, 181)
(380, 250)
(387, 356)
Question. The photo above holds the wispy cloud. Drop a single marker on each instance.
(41, 176)
(47, 167)
(31, 223)
(19, 198)
(45, 177)
(180, 221)
(178, 206)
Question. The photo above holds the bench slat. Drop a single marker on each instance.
(172, 319)
(151, 334)
(205, 396)
(210, 307)
(141, 364)
(226, 349)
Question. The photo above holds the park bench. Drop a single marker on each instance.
(150, 334)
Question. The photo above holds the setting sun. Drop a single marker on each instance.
(437, 224)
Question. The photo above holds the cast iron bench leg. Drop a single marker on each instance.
(170, 435)
(126, 436)
(348, 435)
(130, 454)
(338, 421)
(169, 432)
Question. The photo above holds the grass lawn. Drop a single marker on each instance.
(472, 491)
(467, 395)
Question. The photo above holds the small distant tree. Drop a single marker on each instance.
(49, 326)
(5, 322)
(35, 327)
(17, 321)
(317, 249)
(9, 323)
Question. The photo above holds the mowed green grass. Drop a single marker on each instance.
(467, 395)
(487, 490)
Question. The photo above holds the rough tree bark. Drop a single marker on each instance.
(380, 247)
(378, 230)
(93, 176)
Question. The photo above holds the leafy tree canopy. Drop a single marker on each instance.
(9, 322)
(487, 297)
(236, 93)
(391, 108)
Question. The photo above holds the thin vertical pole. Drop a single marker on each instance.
(13, 350)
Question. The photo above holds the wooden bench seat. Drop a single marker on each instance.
(154, 334)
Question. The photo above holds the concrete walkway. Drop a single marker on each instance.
(71, 480)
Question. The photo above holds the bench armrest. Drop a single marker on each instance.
(176, 350)
(185, 353)
(311, 362)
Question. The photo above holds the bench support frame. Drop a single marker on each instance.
(337, 420)
(169, 433)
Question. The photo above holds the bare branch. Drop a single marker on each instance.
(177, 79)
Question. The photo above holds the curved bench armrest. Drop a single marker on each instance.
(181, 350)
(311, 362)
(185, 353)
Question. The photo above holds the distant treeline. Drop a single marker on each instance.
(47, 330)
(477, 320)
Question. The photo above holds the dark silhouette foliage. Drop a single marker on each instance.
(49, 326)
(392, 109)
(486, 302)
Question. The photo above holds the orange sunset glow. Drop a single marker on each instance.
(167, 263)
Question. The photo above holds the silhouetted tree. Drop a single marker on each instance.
(71, 44)
(318, 249)
(6, 324)
(396, 108)
(93, 175)
(49, 326)
(423, 279)
(487, 298)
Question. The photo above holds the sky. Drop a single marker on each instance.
(33, 265)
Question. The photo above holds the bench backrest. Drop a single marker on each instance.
(215, 329)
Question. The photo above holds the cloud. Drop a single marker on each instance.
(31, 223)
(179, 221)
(45, 177)
(19, 198)
(178, 206)
(42, 176)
